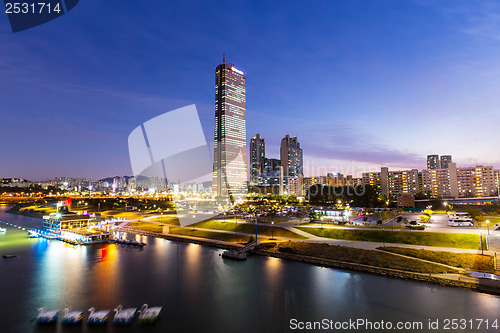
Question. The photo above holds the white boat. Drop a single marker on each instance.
(3, 229)
(124, 316)
(99, 317)
(47, 317)
(73, 317)
(147, 314)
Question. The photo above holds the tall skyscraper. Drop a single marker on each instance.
(445, 160)
(433, 162)
(291, 158)
(230, 148)
(257, 158)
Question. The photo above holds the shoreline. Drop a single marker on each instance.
(474, 284)
(478, 285)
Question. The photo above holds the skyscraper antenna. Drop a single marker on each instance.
(223, 58)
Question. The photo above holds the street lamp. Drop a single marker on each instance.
(488, 226)
(272, 230)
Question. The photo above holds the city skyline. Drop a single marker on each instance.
(383, 93)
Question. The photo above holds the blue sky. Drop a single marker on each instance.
(363, 84)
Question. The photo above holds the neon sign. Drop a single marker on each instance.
(237, 71)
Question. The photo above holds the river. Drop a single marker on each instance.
(201, 292)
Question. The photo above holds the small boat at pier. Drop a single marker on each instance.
(232, 254)
(3, 229)
(129, 242)
(9, 256)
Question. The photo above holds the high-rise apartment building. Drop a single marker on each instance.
(291, 157)
(271, 165)
(433, 162)
(478, 181)
(230, 148)
(392, 183)
(257, 158)
(440, 183)
(444, 161)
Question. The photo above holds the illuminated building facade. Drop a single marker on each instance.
(478, 181)
(440, 183)
(291, 158)
(445, 160)
(257, 158)
(230, 150)
(433, 162)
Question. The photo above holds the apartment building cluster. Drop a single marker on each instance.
(298, 186)
(441, 179)
(272, 175)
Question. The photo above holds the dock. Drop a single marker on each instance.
(240, 254)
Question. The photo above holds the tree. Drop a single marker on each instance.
(476, 214)
(272, 213)
(313, 215)
(424, 218)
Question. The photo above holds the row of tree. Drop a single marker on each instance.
(359, 196)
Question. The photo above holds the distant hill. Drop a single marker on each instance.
(110, 179)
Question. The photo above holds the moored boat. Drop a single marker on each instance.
(73, 317)
(124, 316)
(147, 314)
(99, 317)
(47, 317)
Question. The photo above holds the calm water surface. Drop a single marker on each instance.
(200, 291)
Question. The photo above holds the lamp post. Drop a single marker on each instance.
(488, 226)
(481, 242)
(272, 230)
(256, 227)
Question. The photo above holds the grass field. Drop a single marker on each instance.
(248, 229)
(493, 220)
(168, 219)
(155, 227)
(471, 261)
(368, 226)
(146, 226)
(359, 256)
(456, 240)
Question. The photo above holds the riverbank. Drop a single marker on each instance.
(448, 279)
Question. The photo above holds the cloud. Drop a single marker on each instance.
(352, 144)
